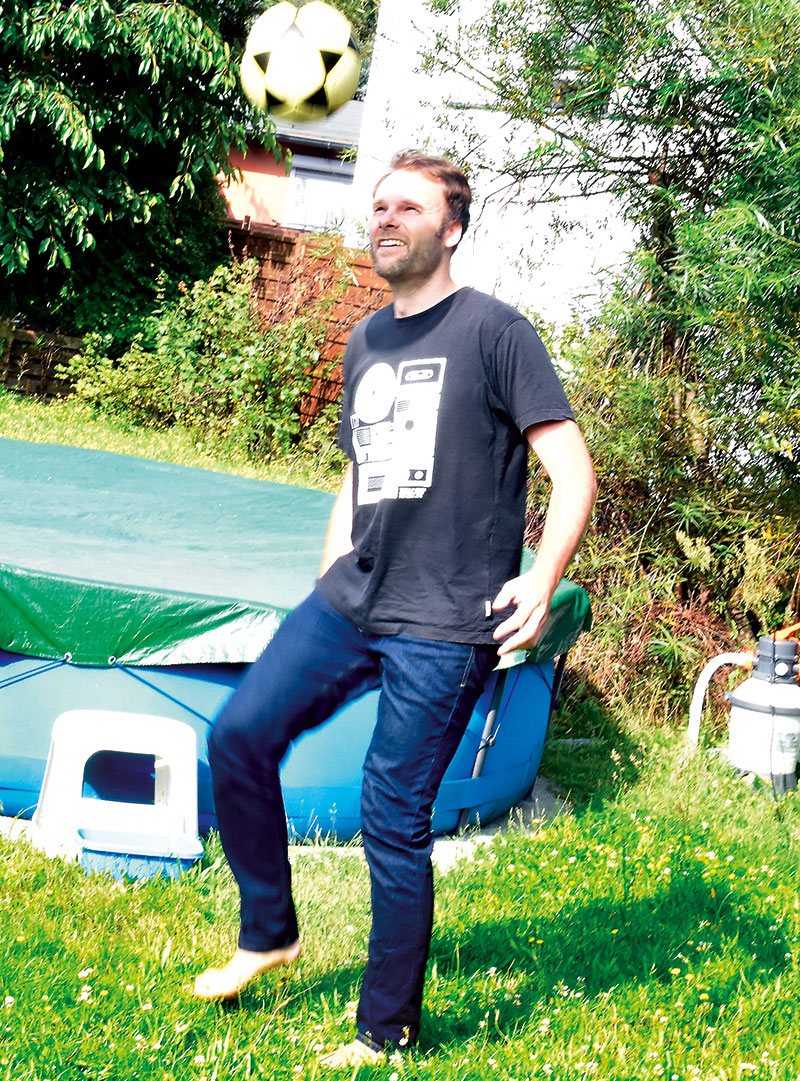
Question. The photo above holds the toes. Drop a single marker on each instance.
(352, 1054)
(212, 984)
(242, 969)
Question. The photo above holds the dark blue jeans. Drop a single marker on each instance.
(318, 661)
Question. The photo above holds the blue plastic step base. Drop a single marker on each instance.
(127, 865)
(132, 855)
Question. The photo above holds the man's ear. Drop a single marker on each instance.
(453, 234)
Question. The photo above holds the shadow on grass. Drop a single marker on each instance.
(588, 949)
(588, 756)
(336, 985)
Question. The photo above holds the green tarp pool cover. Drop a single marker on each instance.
(107, 556)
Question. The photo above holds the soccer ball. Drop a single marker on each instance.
(300, 63)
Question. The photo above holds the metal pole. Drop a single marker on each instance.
(558, 675)
(488, 737)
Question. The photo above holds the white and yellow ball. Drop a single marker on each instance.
(300, 63)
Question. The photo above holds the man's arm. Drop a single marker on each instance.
(338, 539)
(562, 451)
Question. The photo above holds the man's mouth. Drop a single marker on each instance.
(390, 243)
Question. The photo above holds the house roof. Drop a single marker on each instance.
(339, 130)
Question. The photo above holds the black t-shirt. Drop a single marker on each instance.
(433, 415)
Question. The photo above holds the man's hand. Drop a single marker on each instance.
(532, 603)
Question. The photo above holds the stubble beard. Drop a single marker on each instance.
(417, 263)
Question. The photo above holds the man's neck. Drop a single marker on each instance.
(411, 300)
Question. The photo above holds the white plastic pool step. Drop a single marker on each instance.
(135, 839)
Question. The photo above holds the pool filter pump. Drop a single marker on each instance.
(764, 730)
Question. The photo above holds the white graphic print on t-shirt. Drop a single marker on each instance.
(394, 422)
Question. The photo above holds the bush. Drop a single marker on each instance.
(209, 362)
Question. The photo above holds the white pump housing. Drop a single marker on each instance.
(764, 734)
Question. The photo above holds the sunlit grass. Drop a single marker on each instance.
(654, 935)
(73, 423)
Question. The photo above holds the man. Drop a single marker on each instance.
(445, 390)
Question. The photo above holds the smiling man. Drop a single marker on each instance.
(446, 390)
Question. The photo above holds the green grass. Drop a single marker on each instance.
(73, 423)
(654, 935)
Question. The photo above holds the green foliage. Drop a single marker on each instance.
(115, 119)
(687, 380)
(695, 497)
(208, 362)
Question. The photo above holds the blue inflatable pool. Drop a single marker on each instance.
(321, 774)
(137, 586)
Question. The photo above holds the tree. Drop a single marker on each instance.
(116, 117)
(688, 113)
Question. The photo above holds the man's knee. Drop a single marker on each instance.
(393, 816)
(243, 734)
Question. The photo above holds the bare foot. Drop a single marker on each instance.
(241, 970)
(351, 1054)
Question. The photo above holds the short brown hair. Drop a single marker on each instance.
(456, 188)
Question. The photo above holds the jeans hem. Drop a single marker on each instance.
(375, 1045)
(244, 943)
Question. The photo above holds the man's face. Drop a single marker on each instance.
(409, 235)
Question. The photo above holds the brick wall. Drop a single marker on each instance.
(296, 269)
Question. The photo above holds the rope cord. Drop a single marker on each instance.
(153, 687)
(20, 677)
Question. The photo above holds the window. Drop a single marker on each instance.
(319, 193)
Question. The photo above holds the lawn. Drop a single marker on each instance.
(72, 422)
(652, 934)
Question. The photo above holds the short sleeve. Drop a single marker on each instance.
(524, 379)
(344, 439)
